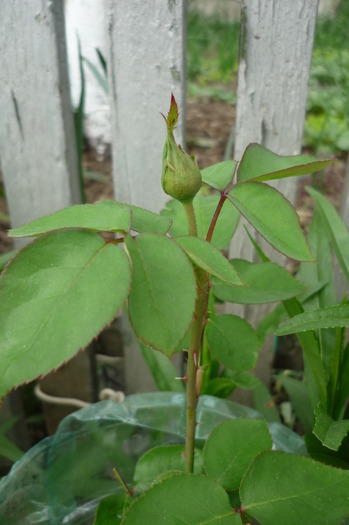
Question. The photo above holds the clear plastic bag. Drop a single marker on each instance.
(61, 480)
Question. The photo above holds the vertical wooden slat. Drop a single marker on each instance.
(275, 56)
(147, 62)
(37, 139)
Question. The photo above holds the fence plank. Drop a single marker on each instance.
(37, 142)
(275, 56)
(37, 138)
(147, 50)
(147, 46)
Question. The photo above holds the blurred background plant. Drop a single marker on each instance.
(212, 55)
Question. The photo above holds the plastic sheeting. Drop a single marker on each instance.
(61, 480)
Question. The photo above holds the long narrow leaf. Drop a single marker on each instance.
(163, 371)
(330, 317)
(311, 349)
(336, 230)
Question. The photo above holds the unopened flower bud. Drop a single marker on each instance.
(181, 178)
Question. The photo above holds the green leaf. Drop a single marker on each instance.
(311, 349)
(231, 447)
(101, 79)
(183, 498)
(161, 460)
(330, 433)
(219, 175)
(280, 487)
(147, 221)
(226, 384)
(261, 164)
(336, 230)
(264, 283)
(233, 341)
(272, 216)
(329, 317)
(220, 387)
(111, 508)
(163, 371)
(55, 296)
(102, 216)
(242, 379)
(162, 298)
(5, 257)
(264, 403)
(209, 258)
(337, 365)
(313, 274)
(298, 394)
(204, 207)
(319, 452)
(270, 322)
(8, 449)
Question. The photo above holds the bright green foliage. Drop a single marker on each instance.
(8, 449)
(329, 317)
(264, 283)
(111, 509)
(196, 499)
(263, 402)
(146, 221)
(209, 258)
(159, 462)
(55, 296)
(225, 384)
(101, 216)
(107, 216)
(288, 489)
(297, 392)
(335, 229)
(204, 206)
(237, 353)
(231, 447)
(161, 302)
(272, 216)
(331, 433)
(260, 164)
(61, 290)
(219, 175)
(163, 371)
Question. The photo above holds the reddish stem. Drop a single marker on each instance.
(215, 217)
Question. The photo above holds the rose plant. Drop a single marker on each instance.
(164, 271)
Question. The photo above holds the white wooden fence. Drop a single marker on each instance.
(146, 49)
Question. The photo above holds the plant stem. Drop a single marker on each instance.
(191, 219)
(215, 217)
(194, 350)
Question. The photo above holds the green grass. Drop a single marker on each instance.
(212, 49)
(212, 55)
(327, 121)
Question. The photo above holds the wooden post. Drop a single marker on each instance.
(275, 55)
(37, 138)
(147, 62)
